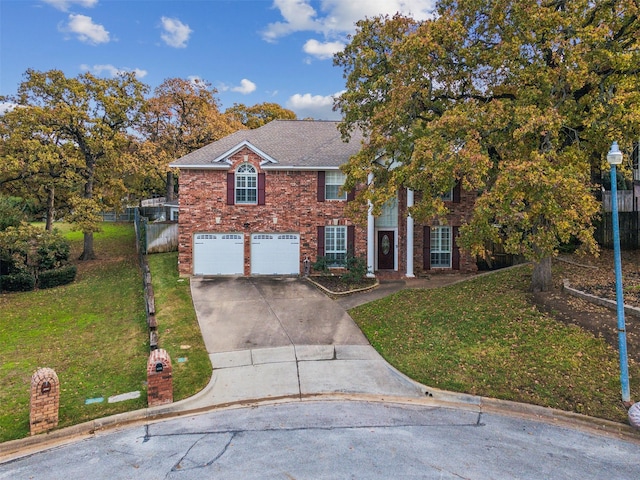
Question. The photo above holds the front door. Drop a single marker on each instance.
(386, 250)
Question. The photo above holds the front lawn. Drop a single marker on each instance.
(93, 333)
(484, 337)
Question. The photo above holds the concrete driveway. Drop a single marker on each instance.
(244, 313)
(280, 337)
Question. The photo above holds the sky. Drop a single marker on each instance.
(250, 51)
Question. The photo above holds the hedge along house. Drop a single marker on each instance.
(260, 202)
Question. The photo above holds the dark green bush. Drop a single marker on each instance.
(321, 265)
(17, 282)
(52, 251)
(356, 269)
(56, 277)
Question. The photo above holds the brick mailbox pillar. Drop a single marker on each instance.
(159, 378)
(45, 401)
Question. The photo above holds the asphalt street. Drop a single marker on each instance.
(337, 440)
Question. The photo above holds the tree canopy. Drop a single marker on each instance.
(259, 114)
(79, 126)
(181, 116)
(518, 100)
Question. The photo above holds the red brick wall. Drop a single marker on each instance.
(459, 213)
(45, 401)
(291, 198)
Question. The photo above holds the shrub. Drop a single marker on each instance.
(321, 265)
(56, 277)
(52, 251)
(27, 251)
(356, 269)
(17, 282)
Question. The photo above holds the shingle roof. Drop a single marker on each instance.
(291, 143)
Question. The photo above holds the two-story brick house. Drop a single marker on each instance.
(258, 202)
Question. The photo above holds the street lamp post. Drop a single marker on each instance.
(614, 157)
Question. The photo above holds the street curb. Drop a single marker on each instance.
(436, 398)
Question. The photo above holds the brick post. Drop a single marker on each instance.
(45, 401)
(159, 378)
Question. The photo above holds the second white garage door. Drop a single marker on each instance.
(218, 254)
(275, 254)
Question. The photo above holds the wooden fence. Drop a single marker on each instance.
(155, 237)
(628, 222)
(626, 201)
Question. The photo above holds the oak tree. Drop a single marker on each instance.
(259, 114)
(181, 116)
(517, 100)
(89, 119)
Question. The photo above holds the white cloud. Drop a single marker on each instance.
(7, 107)
(65, 4)
(318, 107)
(86, 31)
(298, 16)
(112, 71)
(245, 87)
(338, 17)
(322, 50)
(176, 34)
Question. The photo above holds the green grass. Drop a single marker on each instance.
(93, 333)
(179, 333)
(483, 337)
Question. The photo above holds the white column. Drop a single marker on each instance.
(370, 236)
(409, 235)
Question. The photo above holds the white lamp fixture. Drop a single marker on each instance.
(614, 157)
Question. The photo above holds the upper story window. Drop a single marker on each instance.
(447, 196)
(334, 180)
(246, 184)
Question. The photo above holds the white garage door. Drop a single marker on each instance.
(218, 254)
(275, 254)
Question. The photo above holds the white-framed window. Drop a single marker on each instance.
(447, 196)
(440, 247)
(335, 245)
(246, 184)
(333, 182)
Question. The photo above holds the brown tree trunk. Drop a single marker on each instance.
(170, 186)
(87, 251)
(541, 280)
(50, 209)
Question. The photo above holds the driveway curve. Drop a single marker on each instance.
(242, 313)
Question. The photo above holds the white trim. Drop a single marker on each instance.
(300, 168)
(371, 249)
(206, 166)
(232, 151)
(410, 200)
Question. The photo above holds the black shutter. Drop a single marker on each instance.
(351, 240)
(321, 186)
(320, 242)
(351, 195)
(455, 251)
(231, 189)
(261, 188)
(456, 192)
(426, 248)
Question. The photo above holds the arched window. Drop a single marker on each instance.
(246, 184)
